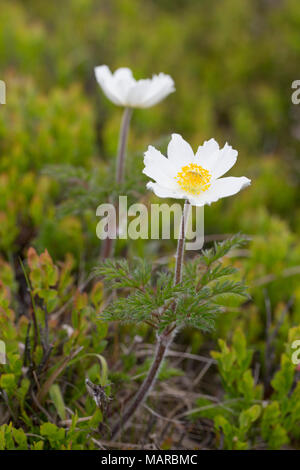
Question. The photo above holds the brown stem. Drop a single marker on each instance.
(163, 340)
(162, 344)
(107, 248)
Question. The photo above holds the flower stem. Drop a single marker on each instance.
(122, 145)
(164, 339)
(180, 244)
(109, 243)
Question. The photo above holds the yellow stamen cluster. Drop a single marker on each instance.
(193, 178)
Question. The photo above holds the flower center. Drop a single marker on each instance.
(193, 178)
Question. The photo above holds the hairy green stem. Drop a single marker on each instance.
(180, 244)
(109, 243)
(163, 340)
(122, 145)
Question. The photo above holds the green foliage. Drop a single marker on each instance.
(244, 418)
(58, 141)
(55, 113)
(36, 375)
(234, 365)
(221, 249)
(36, 130)
(154, 298)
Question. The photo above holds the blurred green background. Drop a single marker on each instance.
(233, 64)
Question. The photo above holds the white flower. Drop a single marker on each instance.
(123, 90)
(195, 177)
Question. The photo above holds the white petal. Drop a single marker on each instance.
(226, 159)
(124, 74)
(217, 161)
(180, 153)
(159, 168)
(124, 82)
(161, 86)
(220, 188)
(207, 154)
(105, 79)
(137, 93)
(162, 191)
(122, 89)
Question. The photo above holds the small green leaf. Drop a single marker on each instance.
(20, 438)
(249, 416)
(57, 398)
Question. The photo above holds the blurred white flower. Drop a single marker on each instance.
(195, 177)
(123, 90)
